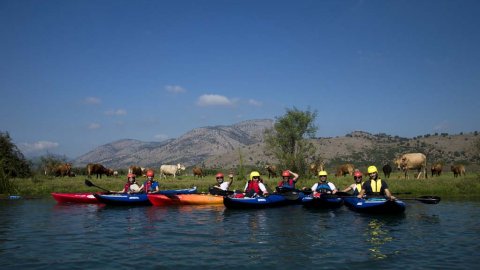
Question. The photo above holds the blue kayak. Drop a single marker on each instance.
(375, 205)
(324, 201)
(138, 198)
(255, 203)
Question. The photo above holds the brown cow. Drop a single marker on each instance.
(314, 168)
(345, 169)
(458, 170)
(197, 172)
(412, 161)
(272, 170)
(137, 170)
(98, 170)
(63, 170)
(436, 169)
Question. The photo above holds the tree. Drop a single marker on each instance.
(287, 140)
(12, 161)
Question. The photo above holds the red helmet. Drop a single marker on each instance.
(150, 173)
(131, 175)
(357, 174)
(286, 173)
(219, 175)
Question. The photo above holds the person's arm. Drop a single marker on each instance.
(347, 189)
(295, 176)
(230, 176)
(389, 195)
(263, 188)
(333, 188)
(314, 188)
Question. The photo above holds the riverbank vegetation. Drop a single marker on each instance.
(445, 186)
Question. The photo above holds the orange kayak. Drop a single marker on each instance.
(184, 199)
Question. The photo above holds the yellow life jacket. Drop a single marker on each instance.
(359, 186)
(376, 185)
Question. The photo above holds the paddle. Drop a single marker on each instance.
(423, 199)
(90, 184)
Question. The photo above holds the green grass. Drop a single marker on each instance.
(444, 186)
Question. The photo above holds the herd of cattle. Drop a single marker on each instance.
(405, 163)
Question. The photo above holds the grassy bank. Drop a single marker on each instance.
(445, 186)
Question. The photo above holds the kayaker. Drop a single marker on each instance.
(150, 185)
(287, 181)
(357, 186)
(375, 186)
(255, 186)
(221, 187)
(323, 186)
(131, 185)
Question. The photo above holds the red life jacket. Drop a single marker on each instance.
(289, 183)
(126, 188)
(253, 185)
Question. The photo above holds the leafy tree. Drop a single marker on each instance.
(12, 161)
(287, 140)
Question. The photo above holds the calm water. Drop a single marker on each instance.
(41, 234)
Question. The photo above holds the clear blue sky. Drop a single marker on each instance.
(78, 74)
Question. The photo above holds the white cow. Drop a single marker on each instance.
(170, 170)
(412, 161)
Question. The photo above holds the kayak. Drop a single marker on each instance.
(74, 197)
(137, 198)
(324, 201)
(254, 203)
(375, 205)
(184, 199)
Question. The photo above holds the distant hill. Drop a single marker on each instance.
(222, 146)
(191, 148)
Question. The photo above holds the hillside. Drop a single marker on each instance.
(222, 146)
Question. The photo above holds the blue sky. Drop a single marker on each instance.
(79, 74)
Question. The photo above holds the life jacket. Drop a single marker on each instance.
(358, 188)
(253, 187)
(323, 187)
(289, 184)
(150, 186)
(376, 185)
(126, 188)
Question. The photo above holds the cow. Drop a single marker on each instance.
(63, 170)
(458, 170)
(272, 170)
(412, 161)
(314, 168)
(170, 170)
(98, 170)
(138, 171)
(345, 169)
(436, 169)
(197, 172)
(115, 174)
(387, 170)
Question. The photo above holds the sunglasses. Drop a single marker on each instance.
(219, 177)
(358, 177)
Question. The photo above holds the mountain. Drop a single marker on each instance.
(190, 149)
(223, 146)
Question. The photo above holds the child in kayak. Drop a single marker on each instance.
(150, 185)
(255, 186)
(287, 183)
(375, 186)
(221, 188)
(323, 186)
(131, 185)
(357, 186)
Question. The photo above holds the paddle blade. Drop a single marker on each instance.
(429, 199)
(88, 183)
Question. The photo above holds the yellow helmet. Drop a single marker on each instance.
(372, 169)
(322, 173)
(253, 174)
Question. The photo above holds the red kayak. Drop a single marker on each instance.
(184, 199)
(74, 197)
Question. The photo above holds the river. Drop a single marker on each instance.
(41, 234)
